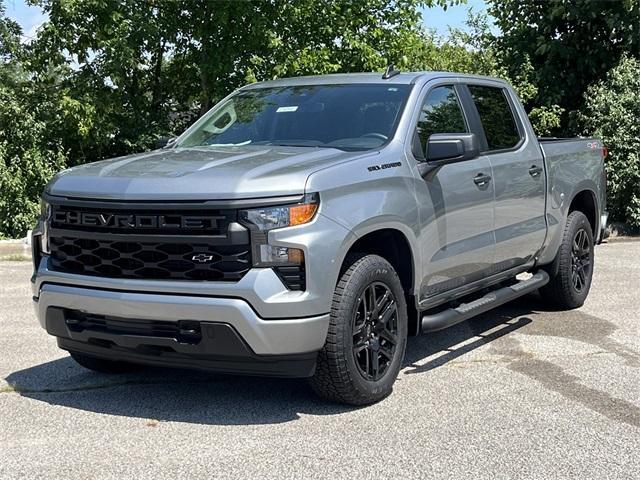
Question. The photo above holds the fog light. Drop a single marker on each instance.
(270, 254)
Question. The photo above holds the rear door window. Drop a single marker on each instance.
(496, 116)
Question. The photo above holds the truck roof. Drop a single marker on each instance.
(404, 78)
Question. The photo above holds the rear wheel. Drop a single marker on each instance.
(101, 365)
(367, 334)
(569, 286)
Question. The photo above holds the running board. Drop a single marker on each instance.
(451, 316)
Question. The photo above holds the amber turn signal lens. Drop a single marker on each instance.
(296, 256)
(301, 214)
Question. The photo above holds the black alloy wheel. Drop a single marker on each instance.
(367, 334)
(571, 271)
(580, 260)
(375, 331)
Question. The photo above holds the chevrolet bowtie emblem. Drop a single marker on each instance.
(202, 258)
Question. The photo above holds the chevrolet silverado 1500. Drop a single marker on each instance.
(305, 227)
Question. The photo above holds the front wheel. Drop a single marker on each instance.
(573, 266)
(367, 334)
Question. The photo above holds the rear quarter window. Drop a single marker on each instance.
(496, 116)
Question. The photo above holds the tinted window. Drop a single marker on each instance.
(349, 117)
(440, 113)
(496, 117)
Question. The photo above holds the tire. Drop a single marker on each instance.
(572, 269)
(101, 365)
(345, 370)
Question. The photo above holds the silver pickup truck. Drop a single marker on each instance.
(305, 227)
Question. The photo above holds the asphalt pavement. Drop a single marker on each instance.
(521, 392)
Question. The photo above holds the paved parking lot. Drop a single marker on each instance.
(522, 392)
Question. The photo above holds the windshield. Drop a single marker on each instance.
(348, 117)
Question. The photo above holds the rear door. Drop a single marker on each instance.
(518, 174)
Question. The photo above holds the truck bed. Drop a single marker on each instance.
(572, 164)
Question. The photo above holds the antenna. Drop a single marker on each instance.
(390, 72)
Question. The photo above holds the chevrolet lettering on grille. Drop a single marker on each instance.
(108, 220)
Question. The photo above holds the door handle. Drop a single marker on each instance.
(481, 179)
(535, 170)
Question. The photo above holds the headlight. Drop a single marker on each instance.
(45, 216)
(269, 218)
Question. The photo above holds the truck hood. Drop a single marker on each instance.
(203, 173)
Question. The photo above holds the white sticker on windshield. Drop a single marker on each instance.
(293, 108)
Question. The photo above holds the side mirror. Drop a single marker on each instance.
(164, 142)
(445, 148)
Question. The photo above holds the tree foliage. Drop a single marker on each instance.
(575, 49)
(28, 157)
(570, 45)
(145, 68)
(612, 112)
(475, 50)
(27, 161)
(107, 77)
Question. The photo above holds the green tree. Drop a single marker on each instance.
(28, 157)
(474, 50)
(113, 52)
(612, 112)
(570, 44)
(146, 68)
(106, 77)
(9, 38)
(27, 162)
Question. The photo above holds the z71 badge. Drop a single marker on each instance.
(373, 168)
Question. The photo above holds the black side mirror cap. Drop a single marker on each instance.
(452, 147)
(164, 142)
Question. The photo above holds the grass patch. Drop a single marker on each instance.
(7, 389)
(15, 257)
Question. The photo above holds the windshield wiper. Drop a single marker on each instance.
(297, 145)
(241, 144)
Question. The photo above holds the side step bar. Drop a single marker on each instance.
(451, 316)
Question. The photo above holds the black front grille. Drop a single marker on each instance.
(149, 260)
(149, 241)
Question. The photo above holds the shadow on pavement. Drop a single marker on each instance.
(487, 328)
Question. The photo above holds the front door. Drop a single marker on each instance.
(457, 238)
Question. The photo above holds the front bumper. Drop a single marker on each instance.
(217, 347)
(235, 339)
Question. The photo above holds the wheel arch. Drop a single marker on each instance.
(393, 244)
(586, 201)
